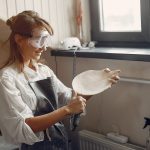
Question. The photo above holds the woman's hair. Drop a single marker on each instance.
(23, 24)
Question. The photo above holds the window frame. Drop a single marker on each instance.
(127, 39)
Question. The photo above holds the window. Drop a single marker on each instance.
(120, 22)
(115, 18)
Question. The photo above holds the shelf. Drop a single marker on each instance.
(132, 54)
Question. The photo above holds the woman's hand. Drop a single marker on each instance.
(77, 104)
(114, 75)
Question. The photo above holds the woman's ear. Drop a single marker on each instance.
(18, 39)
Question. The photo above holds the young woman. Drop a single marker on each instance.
(33, 101)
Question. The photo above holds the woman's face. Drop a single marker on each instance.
(32, 48)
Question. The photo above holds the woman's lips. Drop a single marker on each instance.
(38, 52)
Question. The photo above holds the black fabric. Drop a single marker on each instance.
(75, 120)
(46, 95)
(45, 91)
(47, 102)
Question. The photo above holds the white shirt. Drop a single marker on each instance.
(17, 101)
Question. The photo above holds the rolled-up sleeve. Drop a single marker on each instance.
(13, 112)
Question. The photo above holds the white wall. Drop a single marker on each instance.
(125, 104)
(59, 13)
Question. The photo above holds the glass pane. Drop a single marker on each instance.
(120, 15)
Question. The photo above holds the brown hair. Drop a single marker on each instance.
(23, 24)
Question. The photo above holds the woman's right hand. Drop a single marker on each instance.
(77, 104)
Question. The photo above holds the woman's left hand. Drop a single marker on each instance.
(114, 75)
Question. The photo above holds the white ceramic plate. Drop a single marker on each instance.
(92, 82)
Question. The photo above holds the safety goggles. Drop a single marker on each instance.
(39, 39)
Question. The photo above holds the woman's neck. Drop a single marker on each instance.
(29, 63)
(26, 63)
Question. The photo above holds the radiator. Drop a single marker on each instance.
(94, 141)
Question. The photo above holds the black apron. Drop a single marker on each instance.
(55, 137)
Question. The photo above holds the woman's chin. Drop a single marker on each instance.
(37, 57)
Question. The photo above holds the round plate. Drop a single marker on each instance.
(92, 82)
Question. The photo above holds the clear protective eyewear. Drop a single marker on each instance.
(40, 39)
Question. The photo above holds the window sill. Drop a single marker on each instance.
(132, 54)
